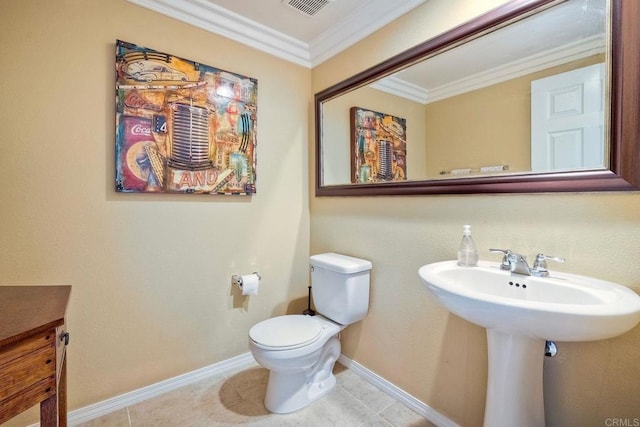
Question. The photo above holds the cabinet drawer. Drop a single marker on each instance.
(29, 397)
(26, 346)
(22, 372)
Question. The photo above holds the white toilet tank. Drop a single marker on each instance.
(340, 287)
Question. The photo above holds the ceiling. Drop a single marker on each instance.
(280, 29)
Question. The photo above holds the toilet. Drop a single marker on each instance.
(299, 350)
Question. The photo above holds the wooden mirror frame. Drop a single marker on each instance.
(624, 136)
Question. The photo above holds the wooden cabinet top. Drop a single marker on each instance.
(28, 310)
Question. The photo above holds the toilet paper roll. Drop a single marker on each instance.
(250, 283)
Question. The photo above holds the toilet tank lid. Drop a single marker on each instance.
(340, 263)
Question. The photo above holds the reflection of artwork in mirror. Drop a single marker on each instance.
(378, 146)
(182, 126)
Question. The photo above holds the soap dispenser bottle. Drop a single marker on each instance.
(467, 252)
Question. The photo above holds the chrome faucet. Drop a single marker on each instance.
(517, 263)
(513, 262)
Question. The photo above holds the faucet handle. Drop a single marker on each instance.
(542, 258)
(506, 264)
(540, 264)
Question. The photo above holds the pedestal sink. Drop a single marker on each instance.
(520, 313)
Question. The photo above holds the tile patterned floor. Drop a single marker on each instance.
(237, 399)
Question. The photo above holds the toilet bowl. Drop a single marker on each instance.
(300, 350)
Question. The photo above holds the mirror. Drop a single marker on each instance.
(469, 110)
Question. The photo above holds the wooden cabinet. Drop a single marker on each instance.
(33, 341)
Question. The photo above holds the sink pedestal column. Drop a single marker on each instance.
(514, 384)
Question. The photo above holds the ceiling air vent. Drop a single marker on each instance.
(308, 7)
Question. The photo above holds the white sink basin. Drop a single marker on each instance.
(562, 307)
(520, 313)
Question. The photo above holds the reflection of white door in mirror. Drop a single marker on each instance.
(567, 120)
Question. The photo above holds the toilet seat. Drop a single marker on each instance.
(286, 332)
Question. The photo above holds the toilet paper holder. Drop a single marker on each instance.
(236, 279)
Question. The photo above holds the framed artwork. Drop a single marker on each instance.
(378, 147)
(182, 126)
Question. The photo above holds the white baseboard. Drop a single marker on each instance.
(402, 396)
(122, 401)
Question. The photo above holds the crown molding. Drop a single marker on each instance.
(402, 88)
(522, 67)
(357, 26)
(338, 37)
(531, 64)
(221, 21)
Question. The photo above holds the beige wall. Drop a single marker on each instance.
(151, 296)
(407, 337)
(150, 273)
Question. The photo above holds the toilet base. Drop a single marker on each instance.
(291, 391)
